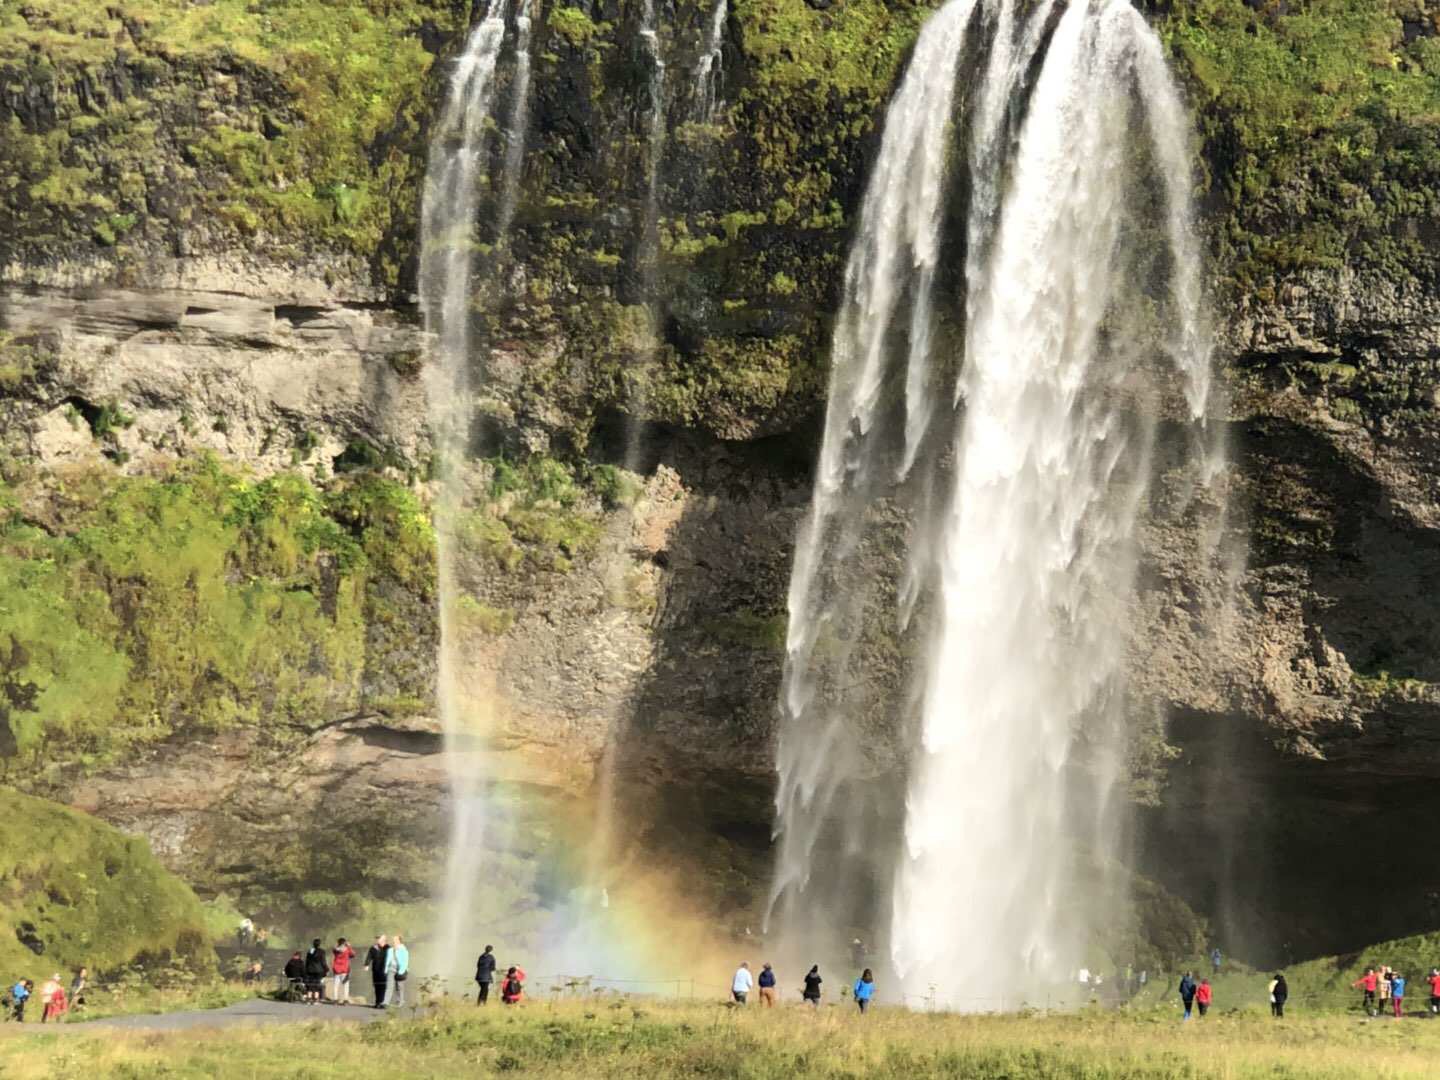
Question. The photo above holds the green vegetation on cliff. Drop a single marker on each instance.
(132, 608)
(1321, 128)
(84, 893)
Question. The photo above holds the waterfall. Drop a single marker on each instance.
(708, 71)
(994, 392)
(455, 182)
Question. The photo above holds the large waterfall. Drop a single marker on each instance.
(457, 179)
(1021, 305)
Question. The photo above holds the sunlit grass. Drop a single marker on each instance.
(614, 1037)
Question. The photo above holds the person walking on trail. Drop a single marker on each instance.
(378, 961)
(245, 932)
(485, 973)
(1433, 979)
(811, 993)
(1203, 996)
(1215, 959)
(513, 988)
(1279, 993)
(19, 995)
(1366, 984)
(316, 968)
(864, 990)
(77, 989)
(767, 986)
(1187, 993)
(295, 977)
(1397, 994)
(52, 999)
(340, 958)
(741, 983)
(399, 968)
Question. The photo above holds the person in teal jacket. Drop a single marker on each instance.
(864, 989)
(398, 967)
(1397, 994)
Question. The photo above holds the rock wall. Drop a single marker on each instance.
(243, 285)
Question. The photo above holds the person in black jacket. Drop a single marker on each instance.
(1279, 994)
(485, 973)
(376, 960)
(811, 993)
(316, 968)
(295, 977)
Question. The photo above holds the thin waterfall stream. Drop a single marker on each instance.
(995, 390)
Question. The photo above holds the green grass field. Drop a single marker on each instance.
(614, 1037)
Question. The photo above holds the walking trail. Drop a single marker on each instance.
(255, 1012)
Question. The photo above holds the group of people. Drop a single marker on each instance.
(512, 986)
(387, 960)
(1388, 986)
(743, 983)
(55, 1003)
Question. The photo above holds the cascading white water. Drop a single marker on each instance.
(453, 192)
(1010, 462)
(705, 100)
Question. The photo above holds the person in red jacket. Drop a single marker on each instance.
(512, 990)
(342, 954)
(1202, 996)
(1367, 982)
(1434, 980)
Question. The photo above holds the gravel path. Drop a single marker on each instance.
(251, 1013)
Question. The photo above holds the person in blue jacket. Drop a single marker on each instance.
(1187, 993)
(767, 986)
(864, 989)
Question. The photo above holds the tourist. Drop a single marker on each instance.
(811, 993)
(340, 958)
(513, 988)
(399, 970)
(1434, 980)
(864, 989)
(378, 961)
(767, 986)
(485, 973)
(245, 932)
(1215, 959)
(77, 989)
(1202, 996)
(857, 953)
(262, 937)
(316, 968)
(1187, 993)
(252, 972)
(52, 999)
(740, 984)
(19, 995)
(1367, 984)
(295, 976)
(1279, 992)
(1382, 989)
(1397, 994)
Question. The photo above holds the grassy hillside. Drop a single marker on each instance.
(89, 894)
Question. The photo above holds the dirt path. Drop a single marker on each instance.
(255, 1012)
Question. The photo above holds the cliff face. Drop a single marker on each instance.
(207, 223)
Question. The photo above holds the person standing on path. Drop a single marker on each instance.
(741, 983)
(1187, 993)
(767, 986)
(864, 990)
(316, 968)
(1367, 984)
(1397, 994)
(399, 968)
(1279, 993)
(378, 960)
(1215, 959)
(1434, 980)
(513, 988)
(1202, 996)
(77, 989)
(485, 973)
(341, 956)
(1382, 989)
(811, 993)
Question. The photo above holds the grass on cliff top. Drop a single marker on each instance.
(90, 894)
(600, 1038)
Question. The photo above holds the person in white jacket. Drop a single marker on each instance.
(740, 985)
